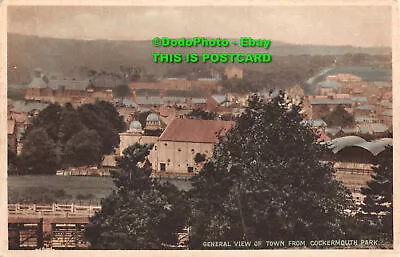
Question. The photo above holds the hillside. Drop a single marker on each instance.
(74, 57)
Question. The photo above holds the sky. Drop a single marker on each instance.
(318, 25)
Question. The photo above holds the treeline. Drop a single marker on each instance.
(62, 136)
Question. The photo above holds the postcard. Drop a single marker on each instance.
(243, 127)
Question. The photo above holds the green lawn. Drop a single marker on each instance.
(50, 188)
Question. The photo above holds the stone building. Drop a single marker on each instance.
(182, 140)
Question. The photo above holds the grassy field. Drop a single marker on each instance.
(49, 188)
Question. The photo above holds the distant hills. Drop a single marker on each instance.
(74, 57)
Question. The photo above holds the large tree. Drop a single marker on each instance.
(142, 213)
(122, 91)
(339, 117)
(83, 148)
(266, 181)
(105, 120)
(39, 154)
(378, 203)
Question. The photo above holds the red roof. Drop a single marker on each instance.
(196, 131)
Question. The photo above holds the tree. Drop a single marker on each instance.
(142, 213)
(378, 202)
(266, 181)
(83, 148)
(12, 162)
(105, 120)
(122, 91)
(199, 158)
(201, 114)
(39, 154)
(339, 117)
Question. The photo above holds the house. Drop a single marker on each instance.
(135, 134)
(386, 117)
(321, 106)
(364, 110)
(149, 101)
(327, 87)
(56, 90)
(182, 140)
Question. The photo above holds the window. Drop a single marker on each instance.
(165, 144)
(155, 148)
(162, 166)
(179, 149)
(190, 169)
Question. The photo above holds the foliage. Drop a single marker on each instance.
(105, 120)
(84, 148)
(199, 157)
(122, 91)
(339, 117)
(39, 153)
(378, 202)
(265, 181)
(12, 162)
(77, 136)
(141, 213)
(201, 114)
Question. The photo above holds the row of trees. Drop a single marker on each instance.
(62, 136)
(265, 181)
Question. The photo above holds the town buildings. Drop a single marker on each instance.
(174, 150)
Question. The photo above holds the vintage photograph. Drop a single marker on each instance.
(200, 127)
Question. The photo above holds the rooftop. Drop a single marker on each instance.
(196, 131)
(152, 100)
(335, 101)
(25, 107)
(328, 84)
(374, 147)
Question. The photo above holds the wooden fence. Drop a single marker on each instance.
(53, 210)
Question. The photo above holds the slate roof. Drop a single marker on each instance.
(374, 147)
(152, 117)
(69, 84)
(328, 84)
(55, 84)
(174, 99)
(151, 100)
(362, 119)
(379, 127)
(332, 130)
(196, 131)
(220, 98)
(388, 112)
(336, 101)
(360, 99)
(37, 83)
(126, 102)
(365, 107)
(315, 123)
(25, 107)
(199, 100)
